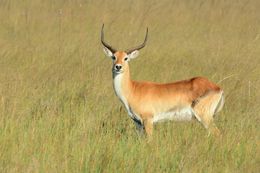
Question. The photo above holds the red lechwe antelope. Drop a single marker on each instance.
(148, 102)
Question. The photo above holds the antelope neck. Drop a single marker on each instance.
(123, 84)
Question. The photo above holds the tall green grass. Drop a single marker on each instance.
(58, 110)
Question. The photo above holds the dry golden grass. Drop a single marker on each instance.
(58, 111)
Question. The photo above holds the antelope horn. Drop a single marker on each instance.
(104, 43)
(128, 51)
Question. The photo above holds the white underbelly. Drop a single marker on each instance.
(184, 114)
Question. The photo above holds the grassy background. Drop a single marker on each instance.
(58, 110)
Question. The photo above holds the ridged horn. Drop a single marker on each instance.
(128, 51)
(113, 50)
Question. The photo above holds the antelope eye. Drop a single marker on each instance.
(113, 58)
(126, 59)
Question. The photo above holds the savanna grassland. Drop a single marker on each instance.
(58, 110)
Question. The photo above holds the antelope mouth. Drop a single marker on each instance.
(117, 71)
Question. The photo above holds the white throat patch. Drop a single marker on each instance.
(118, 87)
(117, 83)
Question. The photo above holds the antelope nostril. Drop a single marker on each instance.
(118, 67)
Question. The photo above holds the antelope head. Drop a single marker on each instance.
(120, 58)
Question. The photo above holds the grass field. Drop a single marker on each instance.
(58, 110)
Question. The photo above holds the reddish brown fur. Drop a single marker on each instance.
(120, 57)
(148, 98)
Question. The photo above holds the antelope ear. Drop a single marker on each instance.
(108, 52)
(133, 54)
